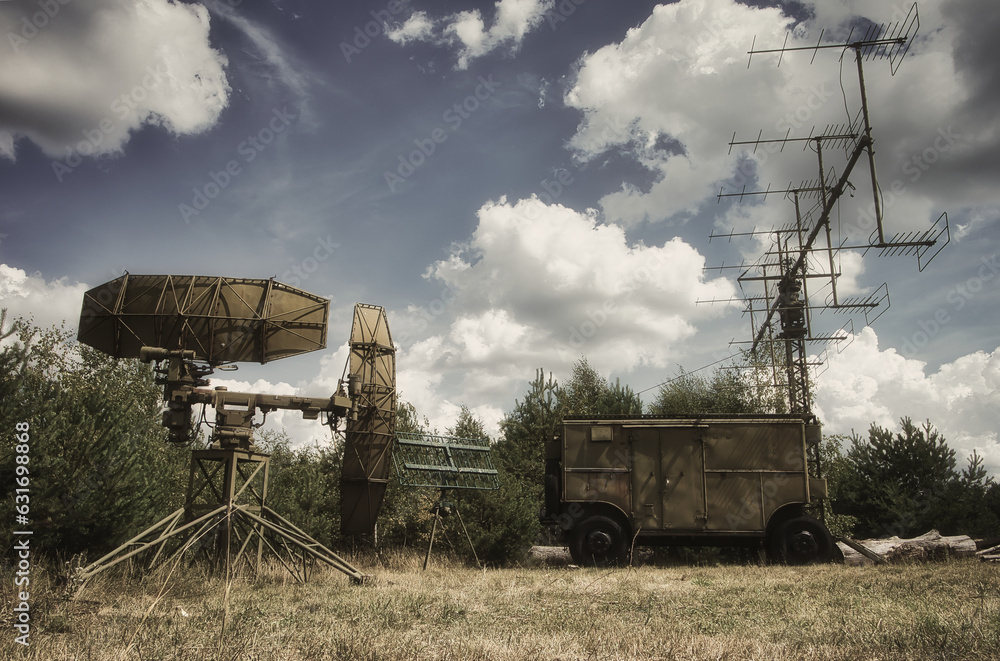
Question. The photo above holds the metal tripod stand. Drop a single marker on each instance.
(443, 509)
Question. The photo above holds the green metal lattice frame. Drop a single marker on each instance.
(444, 462)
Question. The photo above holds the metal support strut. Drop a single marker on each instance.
(225, 519)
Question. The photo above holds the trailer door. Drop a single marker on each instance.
(647, 493)
(668, 486)
(683, 471)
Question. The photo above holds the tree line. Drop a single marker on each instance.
(101, 469)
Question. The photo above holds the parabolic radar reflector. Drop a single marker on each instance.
(223, 320)
(369, 438)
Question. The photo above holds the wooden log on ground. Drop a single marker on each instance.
(992, 550)
(549, 555)
(930, 546)
(861, 549)
(991, 554)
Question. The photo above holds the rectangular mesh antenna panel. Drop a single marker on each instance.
(425, 460)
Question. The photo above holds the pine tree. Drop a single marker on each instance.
(970, 500)
(588, 394)
(906, 484)
(524, 431)
(620, 400)
(585, 392)
(100, 467)
(726, 391)
(469, 426)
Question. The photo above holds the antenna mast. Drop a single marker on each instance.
(804, 251)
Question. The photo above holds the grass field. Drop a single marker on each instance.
(948, 610)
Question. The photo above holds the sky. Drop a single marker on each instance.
(521, 184)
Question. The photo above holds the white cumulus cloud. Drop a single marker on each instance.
(47, 303)
(542, 285)
(672, 93)
(467, 31)
(866, 384)
(80, 82)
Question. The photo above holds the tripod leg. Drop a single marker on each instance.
(466, 531)
(427, 557)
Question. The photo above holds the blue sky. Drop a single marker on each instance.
(520, 183)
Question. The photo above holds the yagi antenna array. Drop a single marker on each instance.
(804, 258)
(889, 41)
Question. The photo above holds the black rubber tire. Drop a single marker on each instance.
(802, 540)
(598, 541)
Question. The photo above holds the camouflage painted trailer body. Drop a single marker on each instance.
(708, 480)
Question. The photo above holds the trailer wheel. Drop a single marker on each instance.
(598, 540)
(803, 540)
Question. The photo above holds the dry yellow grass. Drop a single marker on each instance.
(949, 610)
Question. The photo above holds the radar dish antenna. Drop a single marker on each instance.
(372, 424)
(189, 326)
(222, 320)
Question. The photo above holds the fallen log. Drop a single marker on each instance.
(862, 549)
(992, 550)
(930, 546)
(991, 554)
(549, 555)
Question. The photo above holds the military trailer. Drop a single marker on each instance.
(614, 484)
